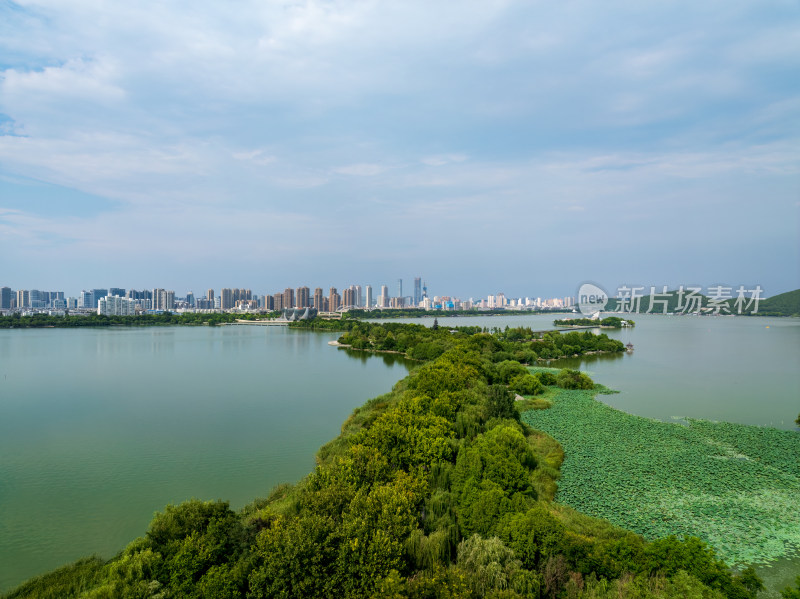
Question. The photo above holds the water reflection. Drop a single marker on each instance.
(388, 359)
(584, 362)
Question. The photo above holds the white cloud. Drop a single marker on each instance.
(391, 111)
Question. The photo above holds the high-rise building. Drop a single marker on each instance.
(38, 299)
(118, 291)
(86, 300)
(277, 302)
(157, 297)
(349, 297)
(269, 303)
(302, 299)
(368, 297)
(400, 288)
(226, 299)
(163, 299)
(334, 300)
(114, 305)
(288, 298)
(417, 291)
(210, 295)
(384, 299)
(190, 299)
(318, 300)
(5, 298)
(359, 297)
(23, 298)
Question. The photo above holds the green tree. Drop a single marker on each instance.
(573, 379)
(501, 403)
(526, 384)
(790, 593)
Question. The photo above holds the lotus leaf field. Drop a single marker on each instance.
(735, 486)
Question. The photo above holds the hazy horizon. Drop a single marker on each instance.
(516, 147)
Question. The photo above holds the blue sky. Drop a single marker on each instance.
(522, 147)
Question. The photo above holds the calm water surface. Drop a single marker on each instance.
(101, 428)
(737, 369)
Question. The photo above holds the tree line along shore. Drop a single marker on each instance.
(444, 487)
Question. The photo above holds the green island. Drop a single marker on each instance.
(446, 487)
(609, 322)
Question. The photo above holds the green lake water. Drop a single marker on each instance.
(101, 428)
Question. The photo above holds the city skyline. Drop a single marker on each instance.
(108, 300)
(493, 146)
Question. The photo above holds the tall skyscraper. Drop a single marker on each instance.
(158, 297)
(288, 298)
(226, 299)
(368, 297)
(349, 297)
(118, 291)
(417, 291)
(318, 299)
(277, 302)
(359, 297)
(190, 299)
(5, 298)
(210, 295)
(302, 299)
(384, 299)
(334, 299)
(399, 287)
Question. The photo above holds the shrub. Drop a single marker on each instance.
(573, 379)
(526, 384)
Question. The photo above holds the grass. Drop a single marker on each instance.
(735, 486)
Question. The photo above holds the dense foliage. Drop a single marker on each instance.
(521, 344)
(435, 490)
(145, 320)
(785, 304)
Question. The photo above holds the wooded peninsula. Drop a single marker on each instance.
(444, 487)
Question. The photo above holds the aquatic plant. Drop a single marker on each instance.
(735, 486)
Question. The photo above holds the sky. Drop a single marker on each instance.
(515, 146)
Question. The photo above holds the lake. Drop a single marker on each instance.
(737, 369)
(100, 428)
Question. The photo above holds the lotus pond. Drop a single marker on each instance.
(735, 486)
